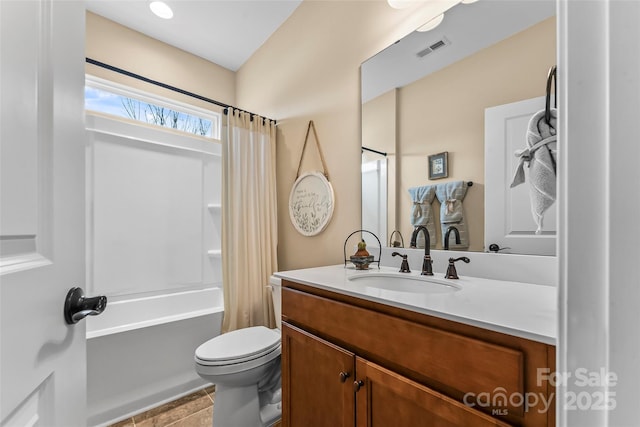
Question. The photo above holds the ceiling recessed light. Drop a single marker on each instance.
(161, 9)
(431, 24)
(401, 4)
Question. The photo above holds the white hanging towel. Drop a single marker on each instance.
(540, 155)
(422, 213)
(451, 195)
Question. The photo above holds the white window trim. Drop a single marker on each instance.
(123, 90)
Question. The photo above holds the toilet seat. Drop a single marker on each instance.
(239, 346)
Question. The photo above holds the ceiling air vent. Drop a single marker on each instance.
(434, 46)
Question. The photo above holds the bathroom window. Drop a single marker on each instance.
(110, 98)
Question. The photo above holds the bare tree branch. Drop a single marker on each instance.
(131, 108)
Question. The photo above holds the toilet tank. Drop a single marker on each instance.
(276, 293)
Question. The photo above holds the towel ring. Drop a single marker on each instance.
(551, 78)
(396, 243)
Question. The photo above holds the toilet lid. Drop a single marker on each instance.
(241, 344)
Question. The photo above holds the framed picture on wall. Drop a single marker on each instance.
(438, 167)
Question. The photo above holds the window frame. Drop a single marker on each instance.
(119, 89)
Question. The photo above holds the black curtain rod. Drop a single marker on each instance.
(166, 86)
(375, 151)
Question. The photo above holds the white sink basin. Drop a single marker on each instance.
(402, 283)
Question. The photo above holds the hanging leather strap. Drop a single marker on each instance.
(325, 171)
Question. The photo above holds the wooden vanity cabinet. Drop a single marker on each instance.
(352, 362)
(318, 379)
(325, 385)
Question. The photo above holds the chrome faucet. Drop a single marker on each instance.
(404, 267)
(446, 237)
(427, 267)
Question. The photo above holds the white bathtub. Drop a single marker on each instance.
(140, 352)
(136, 313)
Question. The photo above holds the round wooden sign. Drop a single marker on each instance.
(311, 203)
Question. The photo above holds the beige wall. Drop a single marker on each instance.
(445, 112)
(124, 48)
(309, 70)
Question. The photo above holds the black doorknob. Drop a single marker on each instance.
(495, 248)
(77, 306)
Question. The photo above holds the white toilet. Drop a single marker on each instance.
(245, 367)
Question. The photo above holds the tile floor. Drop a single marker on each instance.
(194, 410)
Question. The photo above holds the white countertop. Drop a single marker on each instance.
(515, 308)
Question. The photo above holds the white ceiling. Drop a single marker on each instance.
(467, 28)
(226, 32)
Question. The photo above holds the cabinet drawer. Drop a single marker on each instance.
(461, 366)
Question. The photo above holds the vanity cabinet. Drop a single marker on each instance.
(347, 361)
(318, 379)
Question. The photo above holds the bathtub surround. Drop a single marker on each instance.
(151, 245)
(249, 219)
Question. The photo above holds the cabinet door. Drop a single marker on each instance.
(317, 381)
(386, 399)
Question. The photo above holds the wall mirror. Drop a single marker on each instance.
(430, 93)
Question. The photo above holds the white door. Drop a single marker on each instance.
(508, 219)
(42, 359)
(374, 199)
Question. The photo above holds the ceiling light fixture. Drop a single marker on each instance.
(468, 1)
(401, 4)
(431, 24)
(161, 9)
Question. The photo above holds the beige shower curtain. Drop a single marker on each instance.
(249, 219)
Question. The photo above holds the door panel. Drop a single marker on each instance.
(314, 392)
(42, 360)
(508, 219)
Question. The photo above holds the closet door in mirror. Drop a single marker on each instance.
(508, 219)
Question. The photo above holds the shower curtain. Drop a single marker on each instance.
(249, 219)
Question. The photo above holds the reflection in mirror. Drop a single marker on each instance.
(374, 192)
(428, 93)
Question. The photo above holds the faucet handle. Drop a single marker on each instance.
(451, 269)
(404, 267)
